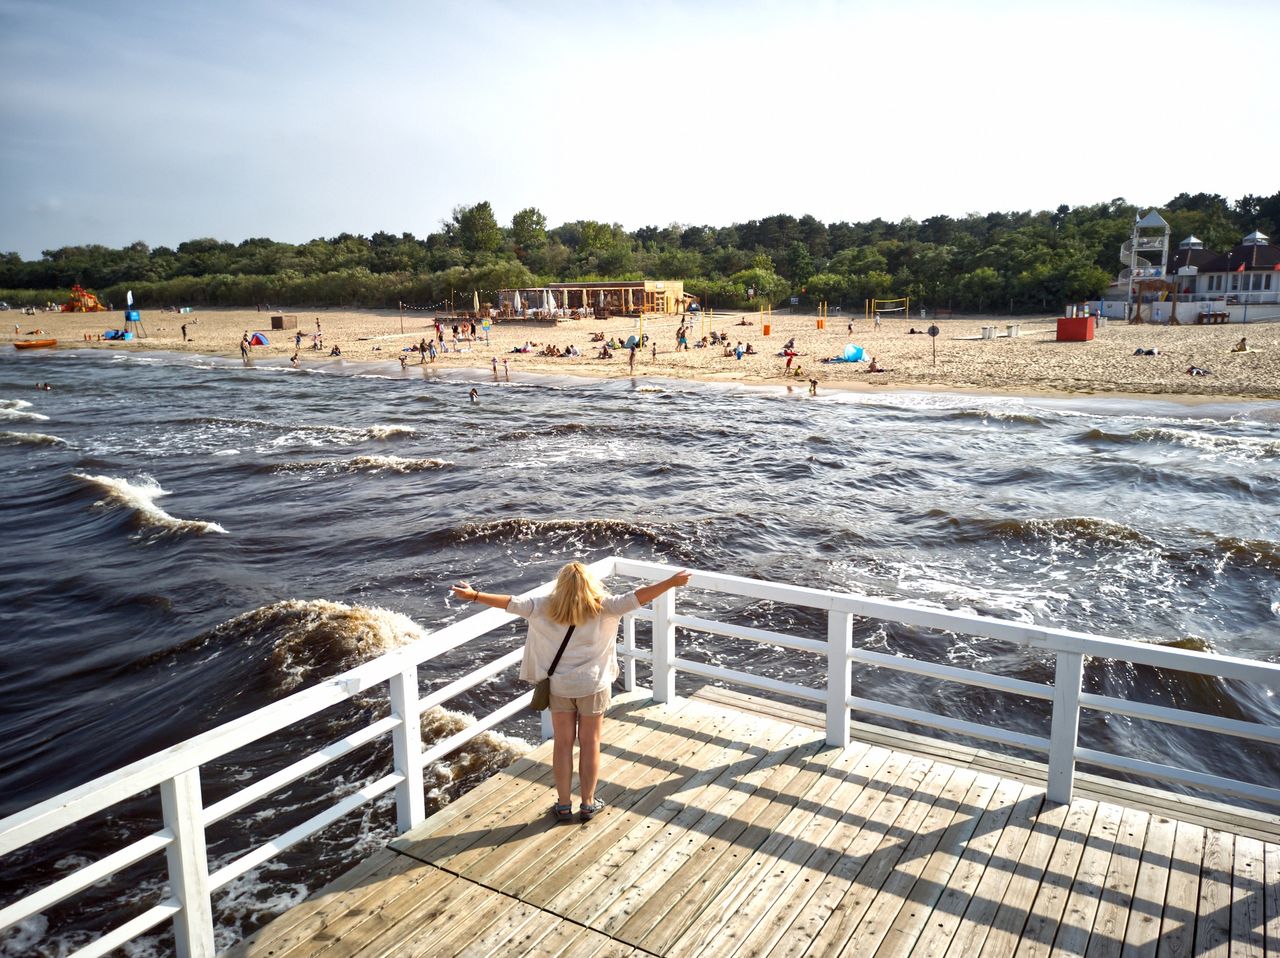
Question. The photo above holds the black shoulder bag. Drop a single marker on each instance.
(542, 691)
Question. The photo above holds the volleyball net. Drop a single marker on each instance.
(891, 308)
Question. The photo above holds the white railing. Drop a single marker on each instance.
(177, 770)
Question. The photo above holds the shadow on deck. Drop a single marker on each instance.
(732, 828)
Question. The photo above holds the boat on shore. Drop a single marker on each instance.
(35, 343)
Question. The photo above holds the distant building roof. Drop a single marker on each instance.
(1256, 238)
(1192, 242)
(1153, 220)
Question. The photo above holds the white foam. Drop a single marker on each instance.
(29, 439)
(14, 414)
(141, 496)
(14, 404)
(1213, 444)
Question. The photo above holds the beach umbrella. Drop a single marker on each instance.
(475, 301)
(551, 301)
(601, 299)
(515, 305)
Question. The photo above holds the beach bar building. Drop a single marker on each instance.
(612, 297)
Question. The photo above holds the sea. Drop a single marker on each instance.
(186, 540)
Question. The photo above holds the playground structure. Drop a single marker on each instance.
(82, 301)
(1161, 297)
(875, 308)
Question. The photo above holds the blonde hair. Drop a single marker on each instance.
(577, 597)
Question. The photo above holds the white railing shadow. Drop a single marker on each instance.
(176, 771)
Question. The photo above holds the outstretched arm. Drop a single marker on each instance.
(648, 593)
(464, 591)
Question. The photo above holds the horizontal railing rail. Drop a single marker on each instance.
(176, 771)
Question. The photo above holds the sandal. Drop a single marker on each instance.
(562, 813)
(587, 812)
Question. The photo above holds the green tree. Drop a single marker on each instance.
(477, 228)
(528, 229)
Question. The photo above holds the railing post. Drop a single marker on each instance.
(664, 647)
(1065, 729)
(839, 677)
(406, 740)
(188, 863)
(629, 649)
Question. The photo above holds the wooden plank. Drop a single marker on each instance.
(1177, 927)
(646, 876)
(967, 906)
(1107, 938)
(1247, 917)
(849, 889)
(1053, 823)
(414, 927)
(891, 814)
(1213, 908)
(951, 820)
(318, 910)
(642, 788)
(812, 825)
(335, 921)
(1075, 926)
(499, 800)
(969, 839)
(1271, 899)
(1055, 888)
(1142, 932)
(1154, 800)
(635, 839)
(370, 922)
(863, 789)
(534, 834)
(521, 939)
(494, 918)
(660, 921)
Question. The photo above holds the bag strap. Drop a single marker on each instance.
(556, 660)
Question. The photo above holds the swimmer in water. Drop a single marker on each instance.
(475, 396)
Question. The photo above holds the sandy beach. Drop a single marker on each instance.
(1030, 362)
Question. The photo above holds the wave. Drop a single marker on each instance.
(29, 439)
(141, 497)
(562, 429)
(14, 414)
(999, 415)
(1087, 528)
(1207, 442)
(288, 430)
(373, 463)
(507, 530)
(14, 404)
(314, 638)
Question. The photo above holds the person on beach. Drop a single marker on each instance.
(631, 360)
(297, 340)
(293, 360)
(584, 618)
(474, 395)
(506, 372)
(184, 332)
(404, 362)
(813, 387)
(494, 362)
(422, 351)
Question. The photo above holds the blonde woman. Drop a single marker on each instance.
(580, 684)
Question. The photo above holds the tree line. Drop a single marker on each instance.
(1015, 261)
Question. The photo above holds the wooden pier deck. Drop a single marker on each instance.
(732, 829)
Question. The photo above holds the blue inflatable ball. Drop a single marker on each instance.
(852, 353)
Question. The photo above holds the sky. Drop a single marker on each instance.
(292, 119)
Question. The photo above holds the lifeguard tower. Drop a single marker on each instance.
(1150, 238)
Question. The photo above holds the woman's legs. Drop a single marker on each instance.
(589, 755)
(563, 726)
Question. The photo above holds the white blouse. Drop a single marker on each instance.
(590, 660)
